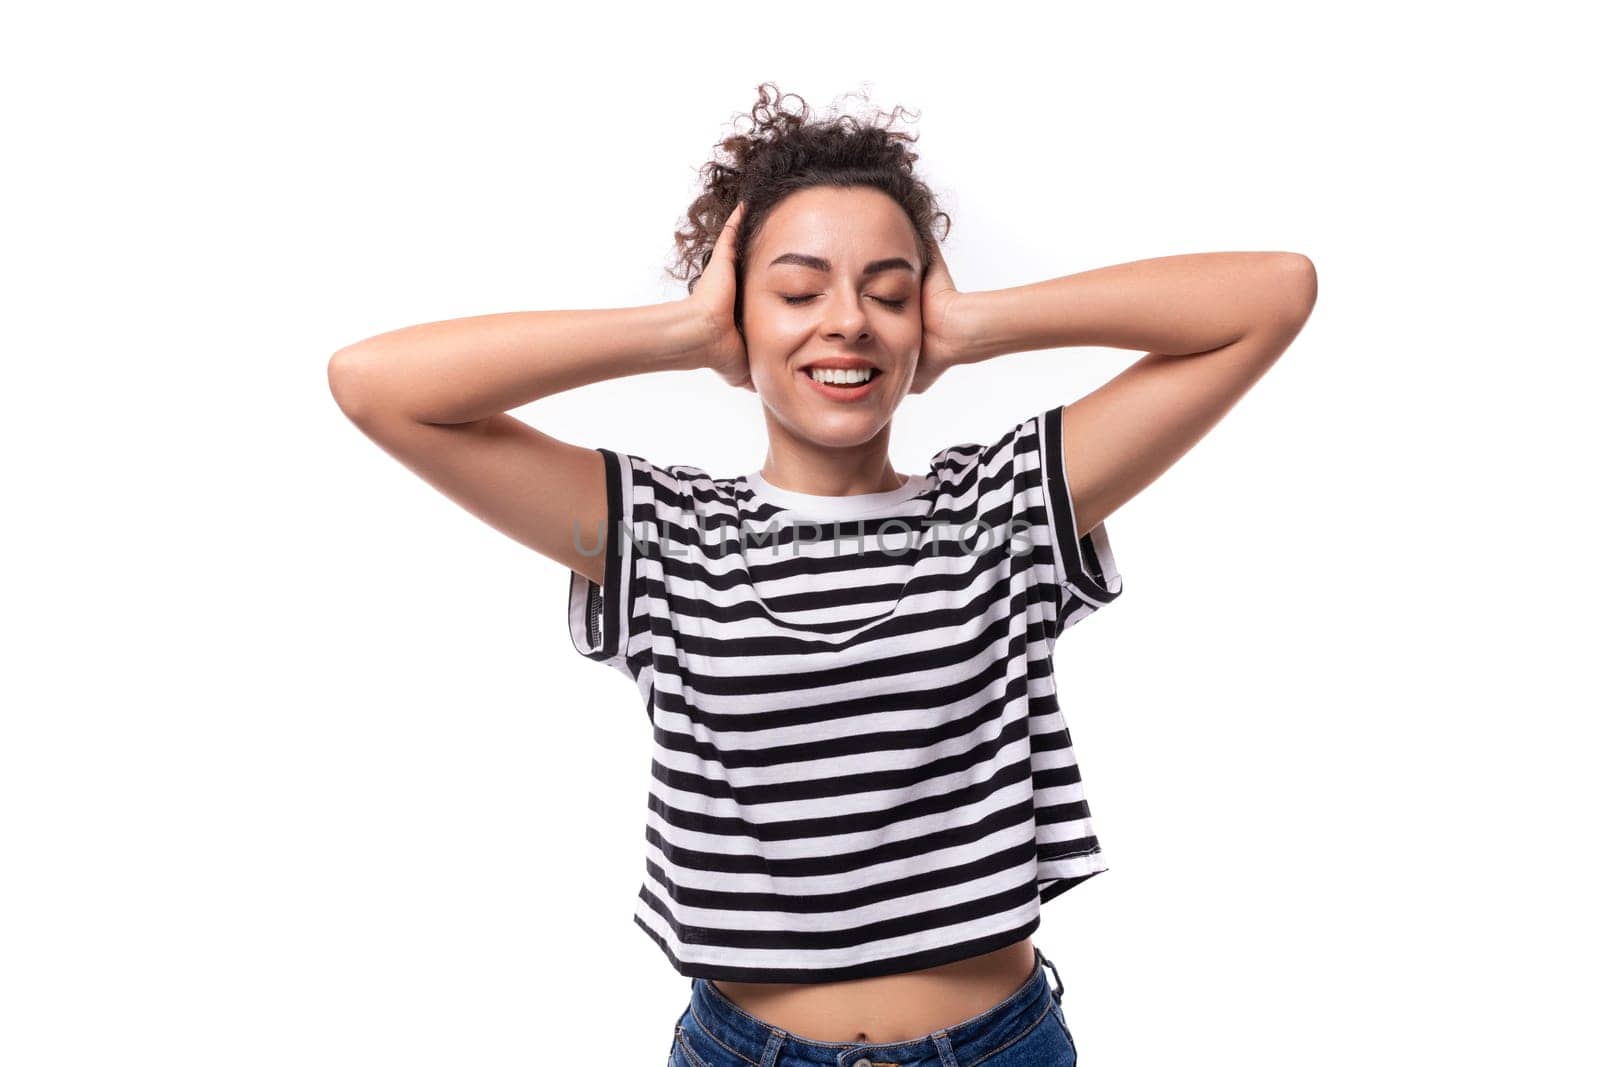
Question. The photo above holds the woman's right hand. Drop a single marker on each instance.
(712, 301)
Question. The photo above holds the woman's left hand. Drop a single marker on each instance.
(942, 343)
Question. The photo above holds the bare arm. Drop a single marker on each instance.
(465, 370)
(435, 397)
(1212, 323)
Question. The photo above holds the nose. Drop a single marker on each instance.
(846, 320)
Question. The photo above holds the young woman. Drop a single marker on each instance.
(863, 786)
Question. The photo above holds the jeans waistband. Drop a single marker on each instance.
(964, 1042)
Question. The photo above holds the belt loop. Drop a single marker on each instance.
(947, 1049)
(769, 1055)
(1059, 987)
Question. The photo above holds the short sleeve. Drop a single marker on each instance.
(1085, 570)
(610, 623)
(1025, 483)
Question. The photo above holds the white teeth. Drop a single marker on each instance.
(839, 377)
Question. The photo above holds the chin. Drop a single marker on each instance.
(842, 429)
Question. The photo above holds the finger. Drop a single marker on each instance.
(722, 251)
(939, 271)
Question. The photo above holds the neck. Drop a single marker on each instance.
(802, 465)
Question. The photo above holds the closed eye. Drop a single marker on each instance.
(898, 305)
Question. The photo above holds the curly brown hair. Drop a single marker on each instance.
(786, 150)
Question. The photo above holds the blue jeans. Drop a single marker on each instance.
(1027, 1029)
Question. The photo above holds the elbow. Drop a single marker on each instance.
(1297, 285)
(1285, 293)
(353, 379)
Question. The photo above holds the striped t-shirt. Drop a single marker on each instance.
(860, 766)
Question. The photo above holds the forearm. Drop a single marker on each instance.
(1176, 305)
(462, 370)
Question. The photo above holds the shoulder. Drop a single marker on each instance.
(1013, 445)
(679, 493)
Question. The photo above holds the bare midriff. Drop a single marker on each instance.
(894, 1007)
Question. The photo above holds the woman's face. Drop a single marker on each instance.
(834, 276)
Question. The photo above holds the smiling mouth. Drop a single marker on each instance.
(842, 379)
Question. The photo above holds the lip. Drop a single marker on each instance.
(846, 394)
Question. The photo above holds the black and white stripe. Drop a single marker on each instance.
(861, 766)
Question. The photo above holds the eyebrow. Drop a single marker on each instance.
(877, 266)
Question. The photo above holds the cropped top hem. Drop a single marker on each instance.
(694, 961)
(917, 961)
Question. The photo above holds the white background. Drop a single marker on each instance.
(298, 764)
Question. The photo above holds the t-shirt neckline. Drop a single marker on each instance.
(853, 506)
